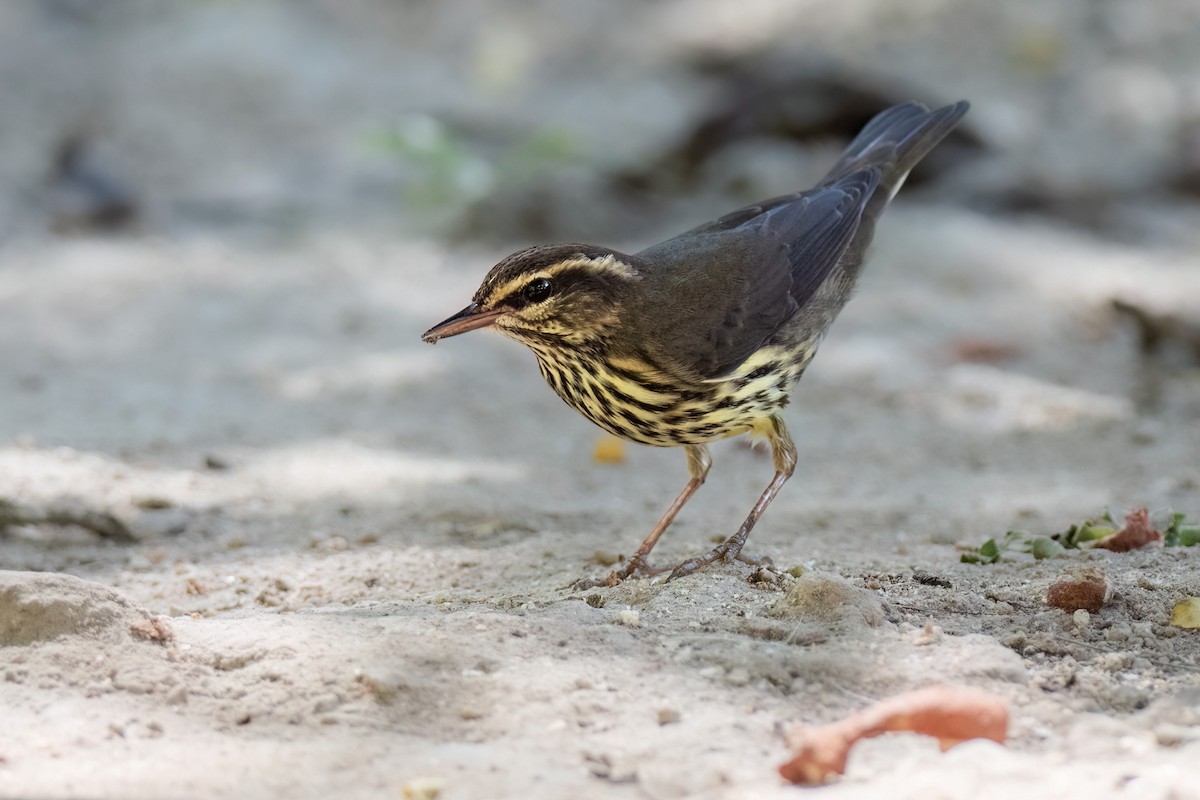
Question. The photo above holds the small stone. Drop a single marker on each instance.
(605, 558)
(1168, 734)
(668, 716)
(215, 462)
(609, 450)
(158, 520)
(1118, 632)
(1117, 661)
(153, 503)
(630, 618)
(763, 576)
(156, 629)
(423, 788)
(930, 579)
(1087, 589)
(602, 766)
(1081, 618)
(738, 676)
(929, 634)
(326, 703)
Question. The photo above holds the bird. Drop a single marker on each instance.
(702, 337)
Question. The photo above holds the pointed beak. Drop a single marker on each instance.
(469, 319)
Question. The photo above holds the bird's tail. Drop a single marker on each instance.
(893, 142)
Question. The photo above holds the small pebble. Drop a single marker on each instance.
(929, 579)
(1086, 588)
(1082, 618)
(929, 634)
(1170, 735)
(326, 703)
(153, 503)
(423, 788)
(609, 450)
(667, 716)
(605, 558)
(215, 462)
(630, 618)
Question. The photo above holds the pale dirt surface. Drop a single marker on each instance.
(364, 546)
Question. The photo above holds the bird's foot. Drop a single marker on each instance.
(728, 550)
(635, 566)
(760, 561)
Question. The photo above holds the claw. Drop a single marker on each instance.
(635, 566)
(718, 553)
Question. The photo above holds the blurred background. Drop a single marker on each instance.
(511, 120)
(223, 225)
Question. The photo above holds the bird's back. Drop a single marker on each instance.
(782, 269)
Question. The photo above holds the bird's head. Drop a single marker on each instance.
(565, 294)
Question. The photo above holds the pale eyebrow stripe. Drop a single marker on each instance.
(609, 263)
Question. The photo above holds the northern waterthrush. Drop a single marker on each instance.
(701, 337)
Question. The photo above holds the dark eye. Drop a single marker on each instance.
(536, 290)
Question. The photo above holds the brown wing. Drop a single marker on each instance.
(722, 290)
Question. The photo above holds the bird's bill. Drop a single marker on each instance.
(469, 319)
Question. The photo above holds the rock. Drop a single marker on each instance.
(1087, 589)
(829, 598)
(39, 607)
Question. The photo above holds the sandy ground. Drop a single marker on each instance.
(355, 552)
(385, 597)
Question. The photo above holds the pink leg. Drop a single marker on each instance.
(783, 451)
(699, 462)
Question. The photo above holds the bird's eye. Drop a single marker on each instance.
(536, 290)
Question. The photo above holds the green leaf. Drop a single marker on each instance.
(1045, 547)
(1174, 535)
(1076, 536)
(1089, 532)
(1189, 536)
